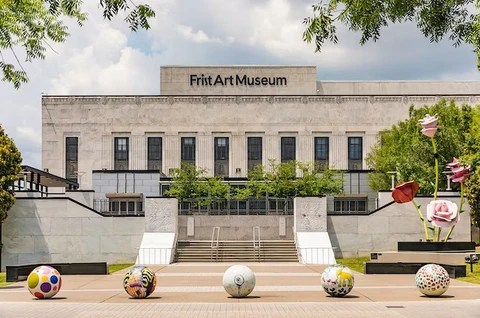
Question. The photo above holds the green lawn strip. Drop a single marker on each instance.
(112, 268)
(355, 264)
(3, 279)
(472, 277)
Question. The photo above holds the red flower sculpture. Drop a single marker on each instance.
(405, 192)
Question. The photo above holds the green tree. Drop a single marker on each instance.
(281, 181)
(34, 24)
(404, 149)
(190, 182)
(435, 19)
(10, 160)
(472, 157)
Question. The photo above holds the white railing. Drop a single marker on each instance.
(154, 255)
(316, 255)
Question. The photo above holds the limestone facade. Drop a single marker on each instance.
(302, 108)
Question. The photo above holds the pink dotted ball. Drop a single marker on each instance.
(44, 282)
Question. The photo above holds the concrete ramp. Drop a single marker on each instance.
(315, 248)
(156, 248)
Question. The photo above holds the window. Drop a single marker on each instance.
(188, 150)
(131, 206)
(287, 149)
(121, 153)
(254, 152)
(154, 153)
(355, 153)
(71, 158)
(221, 156)
(321, 153)
(350, 205)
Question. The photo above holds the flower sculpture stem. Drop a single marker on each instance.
(425, 228)
(436, 168)
(459, 211)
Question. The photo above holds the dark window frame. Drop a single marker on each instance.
(321, 152)
(288, 150)
(187, 151)
(254, 151)
(71, 158)
(221, 156)
(154, 152)
(355, 153)
(121, 155)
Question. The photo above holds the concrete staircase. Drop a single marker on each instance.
(236, 251)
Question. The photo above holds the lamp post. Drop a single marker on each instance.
(392, 175)
(448, 173)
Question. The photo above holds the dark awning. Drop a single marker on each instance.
(43, 178)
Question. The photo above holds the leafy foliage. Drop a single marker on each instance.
(190, 182)
(281, 181)
(435, 19)
(472, 157)
(33, 24)
(10, 160)
(404, 149)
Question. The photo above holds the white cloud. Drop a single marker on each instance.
(104, 57)
(196, 37)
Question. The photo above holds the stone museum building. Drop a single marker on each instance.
(112, 155)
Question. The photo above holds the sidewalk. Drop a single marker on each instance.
(282, 290)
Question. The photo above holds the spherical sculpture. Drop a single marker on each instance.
(239, 281)
(432, 280)
(44, 282)
(139, 282)
(337, 280)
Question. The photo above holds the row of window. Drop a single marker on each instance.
(221, 153)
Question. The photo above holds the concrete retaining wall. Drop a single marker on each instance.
(236, 227)
(358, 235)
(59, 230)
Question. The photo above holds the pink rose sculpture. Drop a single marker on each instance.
(430, 125)
(459, 173)
(442, 213)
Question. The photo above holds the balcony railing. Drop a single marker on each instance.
(251, 206)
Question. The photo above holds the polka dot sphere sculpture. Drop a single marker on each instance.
(139, 282)
(337, 280)
(239, 281)
(432, 280)
(44, 282)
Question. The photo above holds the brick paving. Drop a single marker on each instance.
(282, 290)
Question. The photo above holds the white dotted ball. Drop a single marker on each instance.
(432, 280)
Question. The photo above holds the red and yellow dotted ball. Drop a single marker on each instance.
(44, 282)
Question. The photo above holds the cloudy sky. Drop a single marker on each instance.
(106, 58)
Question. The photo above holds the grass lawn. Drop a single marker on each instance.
(355, 264)
(112, 268)
(3, 279)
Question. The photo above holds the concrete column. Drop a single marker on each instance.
(310, 214)
(161, 215)
(161, 229)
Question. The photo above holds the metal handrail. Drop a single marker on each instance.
(215, 238)
(256, 237)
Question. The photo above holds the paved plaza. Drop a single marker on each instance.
(282, 290)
